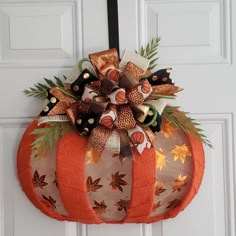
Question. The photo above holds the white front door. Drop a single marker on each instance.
(45, 38)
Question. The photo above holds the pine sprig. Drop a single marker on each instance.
(47, 136)
(180, 120)
(150, 52)
(40, 89)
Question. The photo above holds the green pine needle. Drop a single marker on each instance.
(47, 136)
(150, 52)
(180, 120)
(40, 90)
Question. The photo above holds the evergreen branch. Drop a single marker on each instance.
(150, 52)
(180, 120)
(59, 82)
(40, 90)
(47, 136)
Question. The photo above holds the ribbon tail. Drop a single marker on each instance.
(113, 142)
(159, 104)
(52, 118)
(139, 138)
(125, 148)
(97, 140)
(150, 135)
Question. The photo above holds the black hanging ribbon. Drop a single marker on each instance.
(113, 24)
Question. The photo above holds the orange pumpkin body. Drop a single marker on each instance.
(68, 185)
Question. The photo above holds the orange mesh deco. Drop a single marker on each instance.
(73, 184)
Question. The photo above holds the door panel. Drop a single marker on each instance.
(196, 40)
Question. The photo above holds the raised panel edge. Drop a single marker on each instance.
(82, 229)
(225, 56)
(5, 123)
(77, 30)
(226, 122)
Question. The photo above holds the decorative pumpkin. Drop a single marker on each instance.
(146, 88)
(107, 121)
(70, 184)
(110, 167)
(120, 97)
(137, 138)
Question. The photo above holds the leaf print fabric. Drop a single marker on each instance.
(122, 205)
(93, 186)
(39, 181)
(93, 157)
(167, 129)
(99, 208)
(160, 159)
(174, 203)
(117, 181)
(44, 180)
(180, 182)
(181, 152)
(174, 169)
(159, 188)
(156, 206)
(50, 200)
(109, 185)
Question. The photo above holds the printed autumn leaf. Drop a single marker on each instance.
(55, 180)
(159, 188)
(99, 208)
(160, 159)
(93, 186)
(167, 129)
(156, 206)
(122, 205)
(179, 183)
(117, 181)
(50, 200)
(181, 152)
(174, 203)
(38, 181)
(94, 157)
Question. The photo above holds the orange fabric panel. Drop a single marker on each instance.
(199, 165)
(143, 187)
(24, 172)
(71, 178)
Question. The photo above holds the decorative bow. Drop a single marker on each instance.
(117, 108)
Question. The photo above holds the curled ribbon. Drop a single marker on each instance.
(114, 108)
